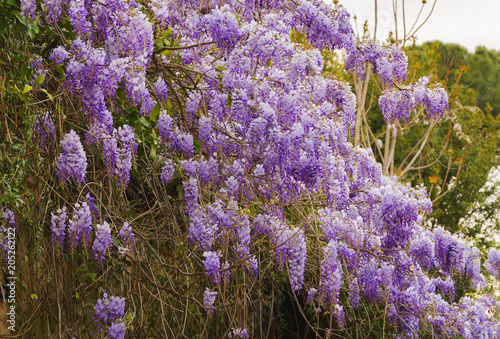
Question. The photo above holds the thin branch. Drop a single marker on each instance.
(168, 48)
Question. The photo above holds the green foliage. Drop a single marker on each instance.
(470, 163)
(484, 70)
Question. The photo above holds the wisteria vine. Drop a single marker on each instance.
(260, 142)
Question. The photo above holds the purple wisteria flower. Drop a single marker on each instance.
(161, 89)
(493, 263)
(59, 55)
(354, 293)
(165, 126)
(422, 250)
(110, 311)
(212, 265)
(28, 9)
(239, 333)
(9, 217)
(72, 162)
(127, 237)
(167, 171)
(292, 247)
(208, 301)
(80, 226)
(58, 226)
(44, 132)
(117, 330)
(331, 274)
(310, 295)
(223, 26)
(93, 208)
(102, 242)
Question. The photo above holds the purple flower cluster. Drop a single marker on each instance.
(223, 26)
(118, 150)
(212, 265)
(102, 242)
(79, 230)
(167, 171)
(398, 104)
(331, 274)
(161, 89)
(109, 312)
(80, 226)
(493, 263)
(292, 248)
(325, 26)
(58, 226)
(388, 63)
(127, 237)
(72, 162)
(239, 333)
(208, 301)
(44, 132)
(117, 330)
(28, 9)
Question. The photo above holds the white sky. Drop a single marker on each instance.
(464, 22)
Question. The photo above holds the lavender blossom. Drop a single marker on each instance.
(161, 89)
(208, 301)
(117, 330)
(103, 241)
(44, 132)
(167, 171)
(331, 274)
(212, 265)
(239, 333)
(72, 162)
(58, 226)
(109, 310)
(493, 263)
(59, 55)
(28, 9)
(127, 237)
(93, 208)
(292, 247)
(80, 226)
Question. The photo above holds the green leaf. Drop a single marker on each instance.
(144, 121)
(167, 34)
(60, 70)
(26, 258)
(33, 30)
(197, 146)
(49, 95)
(34, 296)
(169, 107)
(153, 151)
(237, 18)
(39, 80)
(154, 113)
(12, 3)
(27, 88)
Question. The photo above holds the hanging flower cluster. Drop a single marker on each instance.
(108, 312)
